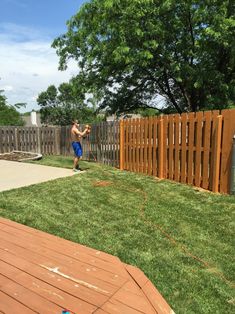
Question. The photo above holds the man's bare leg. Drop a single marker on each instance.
(75, 162)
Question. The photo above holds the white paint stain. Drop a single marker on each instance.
(34, 284)
(81, 282)
(49, 291)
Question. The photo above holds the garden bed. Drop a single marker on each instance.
(20, 156)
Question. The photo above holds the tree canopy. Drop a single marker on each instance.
(131, 52)
(8, 114)
(59, 106)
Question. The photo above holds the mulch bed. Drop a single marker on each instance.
(19, 156)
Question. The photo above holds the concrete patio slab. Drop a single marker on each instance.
(17, 174)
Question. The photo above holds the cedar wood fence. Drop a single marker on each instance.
(192, 148)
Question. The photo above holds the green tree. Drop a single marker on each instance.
(8, 114)
(130, 52)
(59, 106)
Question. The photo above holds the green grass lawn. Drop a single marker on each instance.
(137, 218)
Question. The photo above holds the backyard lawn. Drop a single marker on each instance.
(182, 238)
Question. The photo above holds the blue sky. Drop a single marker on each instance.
(28, 65)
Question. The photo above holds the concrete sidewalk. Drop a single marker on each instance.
(18, 174)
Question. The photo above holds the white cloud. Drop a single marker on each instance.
(28, 64)
(7, 88)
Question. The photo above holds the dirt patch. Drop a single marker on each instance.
(158, 179)
(102, 183)
(197, 189)
(19, 156)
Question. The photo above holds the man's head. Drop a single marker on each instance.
(75, 123)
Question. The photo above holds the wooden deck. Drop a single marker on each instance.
(41, 273)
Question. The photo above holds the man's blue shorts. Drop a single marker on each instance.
(77, 147)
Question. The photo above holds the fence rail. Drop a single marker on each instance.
(193, 148)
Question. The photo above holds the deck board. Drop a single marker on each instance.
(42, 273)
(18, 245)
(10, 305)
(73, 250)
(28, 298)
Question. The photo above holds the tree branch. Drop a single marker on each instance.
(191, 34)
(169, 93)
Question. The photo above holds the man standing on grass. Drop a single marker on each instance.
(77, 147)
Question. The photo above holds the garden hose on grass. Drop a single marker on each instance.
(173, 241)
(155, 226)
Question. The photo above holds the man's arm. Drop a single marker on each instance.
(80, 133)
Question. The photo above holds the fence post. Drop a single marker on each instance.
(121, 145)
(228, 132)
(232, 174)
(57, 141)
(160, 149)
(16, 138)
(38, 141)
(216, 154)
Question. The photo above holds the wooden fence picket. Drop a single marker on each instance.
(191, 148)
(145, 144)
(171, 149)
(161, 148)
(198, 153)
(177, 147)
(217, 154)
(165, 145)
(155, 135)
(183, 160)
(150, 145)
(226, 155)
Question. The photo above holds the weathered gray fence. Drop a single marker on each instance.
(45, 140)
(101, 145)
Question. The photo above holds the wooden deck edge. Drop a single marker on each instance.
(152, 294)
